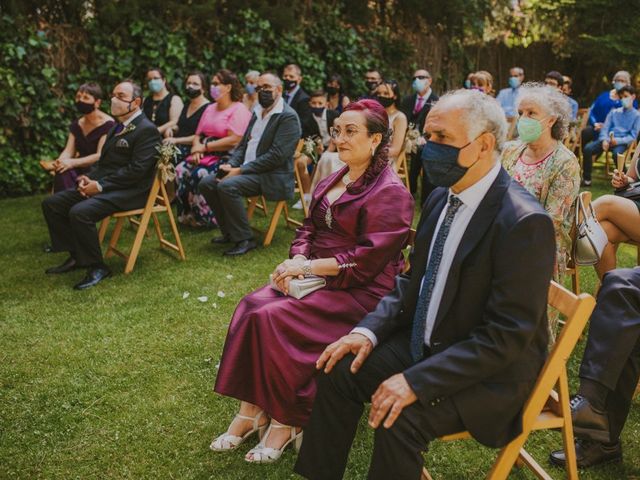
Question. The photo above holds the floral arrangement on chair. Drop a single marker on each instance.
(312, 147)
(167, 153)
(413, 139)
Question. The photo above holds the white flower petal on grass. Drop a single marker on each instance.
(185, 295)
(229, 277)
(221, 294)
(203, 299)
(217, 365)
(214, 305)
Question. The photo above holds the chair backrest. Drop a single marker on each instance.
(577, 310)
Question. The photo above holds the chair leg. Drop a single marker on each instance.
(251, 207)
(114, 237)
(102, 232)
(137, 242)
(567, 430)
(274, 223)
(575, 280)
(156, 225)
(174, 227)
(507, 458)
(425, 474)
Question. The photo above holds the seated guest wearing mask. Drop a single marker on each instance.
(459, 342)
(182, 134)
(86, 138)
(336, 98)
(262, 164)
(602, 105)
(482, 81)
(372, 78)
(567, 89)
(162, 107)
(619, 217)
(220, 129)
(293, 94)
(416, 107)
(507, 96)
(317, 125)
(555, 80)
(620, 129)
(120, 180)
(541, 163)
(358, 223)
(388, 94)
(609, 372)
(250, 96)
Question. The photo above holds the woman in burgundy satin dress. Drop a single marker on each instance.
(358, 223)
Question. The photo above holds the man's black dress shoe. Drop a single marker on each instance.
(242, 247)
(220, 240)
(590, 453)
(68, 265)
(93, 277)
(588, 422)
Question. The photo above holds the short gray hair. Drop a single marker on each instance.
(625, 74)
(276, 79)
(552, 101)
(481, 112)
(252, 74)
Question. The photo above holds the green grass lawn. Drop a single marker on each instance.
(116, 382)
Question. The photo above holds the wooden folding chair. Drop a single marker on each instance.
(512, 121)
(573, 270)
(546, 409)
(402, 168)
(157, 202)
(627, 154)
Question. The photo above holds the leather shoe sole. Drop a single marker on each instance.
(241, 248)
(92, 278)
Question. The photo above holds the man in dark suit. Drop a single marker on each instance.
(459, 342)
(609, 371)
(372, 79)
(262, 164)
(416, 107)
(293, 94)
(316, 125)
(120, 180)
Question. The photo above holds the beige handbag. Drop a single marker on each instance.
(590, 236)
(300, 288)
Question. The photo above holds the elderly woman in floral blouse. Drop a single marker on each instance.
(542, 164)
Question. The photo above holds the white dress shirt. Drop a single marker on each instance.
(322, 127)
(258, 128)
(470, 198)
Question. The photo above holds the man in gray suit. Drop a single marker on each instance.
(262, 164)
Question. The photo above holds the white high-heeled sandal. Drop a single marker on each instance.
(227, 442)
(262, 454)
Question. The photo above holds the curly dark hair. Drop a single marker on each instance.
(227, 77)
(377, 121)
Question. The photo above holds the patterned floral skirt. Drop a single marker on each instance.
(192, 205)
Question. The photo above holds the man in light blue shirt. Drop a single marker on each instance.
(507, 96)
(620, 129)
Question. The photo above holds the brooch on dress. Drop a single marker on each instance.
(328, 217)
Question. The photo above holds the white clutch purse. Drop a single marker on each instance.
(301, 288)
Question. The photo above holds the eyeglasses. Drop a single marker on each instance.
(266, 88)
(420, 77)
(349, 132)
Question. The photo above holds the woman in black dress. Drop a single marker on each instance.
(161, 107)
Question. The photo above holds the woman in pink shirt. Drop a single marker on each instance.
(220, 129)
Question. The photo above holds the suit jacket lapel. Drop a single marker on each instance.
(479, 224)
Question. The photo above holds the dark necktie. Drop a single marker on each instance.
(422, 307)
(286, 97)
(119, 128)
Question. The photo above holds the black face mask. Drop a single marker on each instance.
(333, 90)
(317, 111)
(385, 101)
(265, 98)
(371, 85)
(85, 108)
(193, 92)
(290, 84)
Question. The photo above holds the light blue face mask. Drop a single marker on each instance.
(467, 84)
(419, 85)
(627, 102)
(155, 85)
(251, 89)
(514, 82)
(618, 85)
